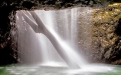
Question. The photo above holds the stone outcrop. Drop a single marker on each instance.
(106, 33)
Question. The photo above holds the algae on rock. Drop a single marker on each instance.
(107, 33)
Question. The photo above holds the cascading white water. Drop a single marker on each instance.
(49, 53)
(63, 26)
(53, 42)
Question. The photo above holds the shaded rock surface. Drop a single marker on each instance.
(106, 34)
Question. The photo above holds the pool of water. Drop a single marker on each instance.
(37, 69)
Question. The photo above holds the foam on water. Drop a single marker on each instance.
(92, 68)
(54, 64)
(48, 70)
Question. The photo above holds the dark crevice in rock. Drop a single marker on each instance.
(118, 28)
(27, 4)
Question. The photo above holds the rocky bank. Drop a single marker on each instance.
(106, 33)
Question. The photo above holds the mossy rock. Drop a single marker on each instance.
(107, 30)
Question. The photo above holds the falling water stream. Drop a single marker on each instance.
(64, 30)
(49, 42)
(57, 33)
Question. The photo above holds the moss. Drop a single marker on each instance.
(107, 23)
(58, 5)
(108, 14)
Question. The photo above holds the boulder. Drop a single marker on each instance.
(106, 33)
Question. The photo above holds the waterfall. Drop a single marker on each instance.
(50, 37)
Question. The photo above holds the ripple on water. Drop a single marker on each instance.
(95, 69)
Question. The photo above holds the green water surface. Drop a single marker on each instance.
(40, 70)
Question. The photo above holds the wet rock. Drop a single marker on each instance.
(107, 30)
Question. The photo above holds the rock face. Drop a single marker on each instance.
(106, 33)
(7, 46)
